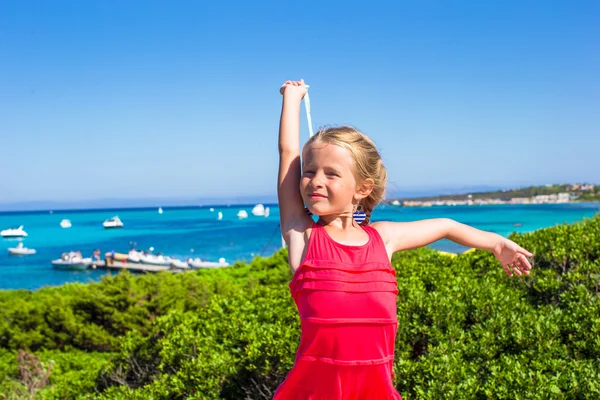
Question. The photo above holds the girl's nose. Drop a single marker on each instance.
(316, 181)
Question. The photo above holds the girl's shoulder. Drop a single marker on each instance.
(384, 228)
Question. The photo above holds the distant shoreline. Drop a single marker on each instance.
(426, 204)
(548, 194)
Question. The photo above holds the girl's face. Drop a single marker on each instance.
(328, 185)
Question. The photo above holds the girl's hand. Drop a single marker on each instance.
(512, 257)
(295, 89)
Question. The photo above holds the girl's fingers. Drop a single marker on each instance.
(527, 253)
(524, 261)
(516, 268)
(524, 264)
(292, 83)
(520, 265)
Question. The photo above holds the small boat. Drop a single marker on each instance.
(14, 232)
(113, 222)
(242, 214)
(159, 260)
(179, 264)
(219, 216)
(258, 210)
(72, 261)
(116, 256)
(65, 223)
(212, 209)
(199, 263)
(20, 250)
(267, 212)
(134, 256)
(160, 211)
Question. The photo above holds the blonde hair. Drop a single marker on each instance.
(367, 161)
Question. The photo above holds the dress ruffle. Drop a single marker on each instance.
(343, 277)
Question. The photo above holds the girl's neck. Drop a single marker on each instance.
(341, 222)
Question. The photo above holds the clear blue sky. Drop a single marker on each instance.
(133, 99)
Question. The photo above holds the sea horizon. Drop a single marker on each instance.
(197, 201)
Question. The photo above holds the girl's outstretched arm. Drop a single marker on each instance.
(293, 218)
(410, 235)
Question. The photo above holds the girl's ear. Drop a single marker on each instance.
(364, 189)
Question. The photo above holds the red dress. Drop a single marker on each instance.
(346, 297)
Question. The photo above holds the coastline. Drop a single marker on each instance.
(408, 203)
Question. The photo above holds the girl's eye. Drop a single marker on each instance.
(331, 174)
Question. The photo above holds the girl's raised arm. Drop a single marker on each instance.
(293, 218)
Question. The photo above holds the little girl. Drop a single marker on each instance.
(344, 285)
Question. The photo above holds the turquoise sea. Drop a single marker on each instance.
(184, 232)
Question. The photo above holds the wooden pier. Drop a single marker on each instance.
(135, 267)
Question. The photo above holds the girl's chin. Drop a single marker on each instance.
(321, 211)
(315, 211)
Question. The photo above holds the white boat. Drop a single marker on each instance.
(72, 261)
(179, 264)
(267, 212)
(242, 214)
(219, 216)
(160, 211)
(212, 209)
(159, 260)
(199, 263)
(20, 250)
(134, 256)
(113, 222)
(65, 223)
(14, 232)
(258, 210)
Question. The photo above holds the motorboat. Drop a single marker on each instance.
(160, 211)
(14, 232)
(20, 250)
(113, 222)
(65, 223)
(72, 261)
(134, 256)
(179, 264)
(242, 214)
(199, 263)
(212, 209)
(258, 210)
(159, 260)
(219, 216)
